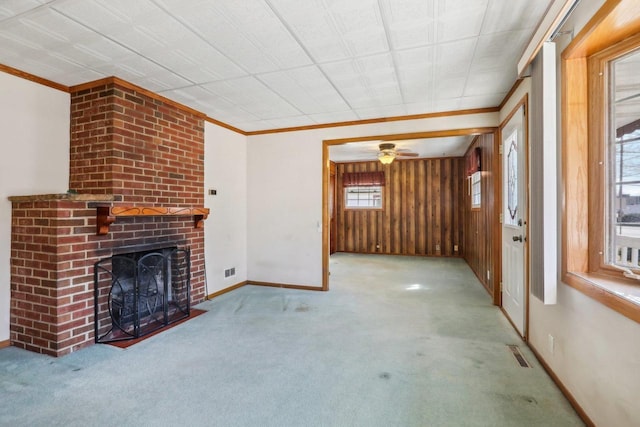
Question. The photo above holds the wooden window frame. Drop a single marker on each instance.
(606, 36)
(598, 68)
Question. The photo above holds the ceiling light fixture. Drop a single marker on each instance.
(386, 157)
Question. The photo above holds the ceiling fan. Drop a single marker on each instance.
(388, 152)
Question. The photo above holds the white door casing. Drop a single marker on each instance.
(514, 220)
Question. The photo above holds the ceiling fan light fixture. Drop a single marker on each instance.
(386, 157)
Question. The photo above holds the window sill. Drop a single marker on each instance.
(618, 294)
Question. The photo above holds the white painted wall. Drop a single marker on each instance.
(225, 159)
(596, 349)
(34, 120)
(285, 194)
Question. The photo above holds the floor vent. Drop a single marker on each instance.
(519, 357)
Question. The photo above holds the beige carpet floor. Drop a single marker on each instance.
(397, 341)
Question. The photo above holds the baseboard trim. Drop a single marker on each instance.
(394, 254)
(225, 290)
(574, 403)
(286, 286)
(5, 344)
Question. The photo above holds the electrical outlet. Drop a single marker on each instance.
(552, 344)
(488, 275)
(437, 247)
(455, 248)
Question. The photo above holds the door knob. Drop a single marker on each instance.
(517, 238)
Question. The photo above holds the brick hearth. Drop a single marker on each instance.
(129, 147)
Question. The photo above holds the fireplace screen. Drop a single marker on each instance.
(138, 293)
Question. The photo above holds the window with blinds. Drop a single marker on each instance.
(363, 190)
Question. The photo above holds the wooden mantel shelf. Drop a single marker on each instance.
(106, 215)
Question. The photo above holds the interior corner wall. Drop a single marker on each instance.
(225, 159)
(595, 349)
(285, 194)
(35, 141)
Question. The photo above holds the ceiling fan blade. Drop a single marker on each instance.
(400, 153)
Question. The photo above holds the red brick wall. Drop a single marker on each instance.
(51, 287)
(124, 142)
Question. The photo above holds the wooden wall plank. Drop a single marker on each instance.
(437, 210)
(446, 183)
(410, 203)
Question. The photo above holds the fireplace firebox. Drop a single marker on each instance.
(140, 292)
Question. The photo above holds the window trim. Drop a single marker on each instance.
(582, 261)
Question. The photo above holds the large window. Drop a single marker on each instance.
(623, 162)
(601, 159)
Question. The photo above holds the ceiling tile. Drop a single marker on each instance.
(452, 104)
(453, 59)
(334, 117)
(419, 107)
(410, 23)
(263, 27)
(495, 51)
(459, 19)
(381, 111)
(481, 101)
(486, 83)
(364, 80)
(107, 16)
(512, 15)
(11, 8)
(292, 121)
(253, 96)
(215, 27)
(314, 26)
(44, 29)
(415, 72)
(306, 88)
(339, 30)
(449, 88)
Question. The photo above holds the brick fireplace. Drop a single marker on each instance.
(136, 183)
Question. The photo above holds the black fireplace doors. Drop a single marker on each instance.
(139, 293)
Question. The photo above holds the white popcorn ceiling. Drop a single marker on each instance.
(268, 64)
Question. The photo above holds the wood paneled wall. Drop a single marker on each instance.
(421, 214)
(481, 243)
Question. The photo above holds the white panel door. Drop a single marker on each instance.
(514, 221)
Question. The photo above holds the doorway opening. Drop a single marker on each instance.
(401, 236)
